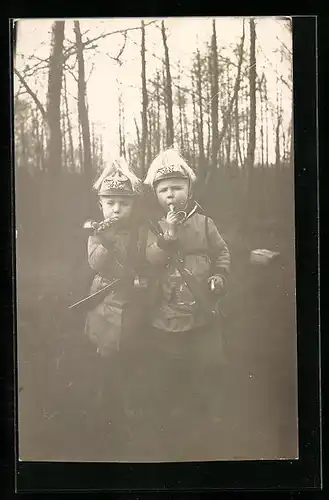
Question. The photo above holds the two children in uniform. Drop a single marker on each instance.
(178, 346)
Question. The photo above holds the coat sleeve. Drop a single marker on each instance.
(100, 257)
(220, 254)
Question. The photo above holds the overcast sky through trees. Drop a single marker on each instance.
(106, 78)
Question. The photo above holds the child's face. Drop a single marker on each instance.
(172, 191)
(116, 208)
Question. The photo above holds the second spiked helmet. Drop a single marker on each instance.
(169, 163)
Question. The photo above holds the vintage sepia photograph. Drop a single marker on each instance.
(155, 239)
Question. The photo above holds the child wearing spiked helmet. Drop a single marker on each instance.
(202, 249)
(116, 253)
(187, 336)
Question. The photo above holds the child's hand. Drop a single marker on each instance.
(216, 283)
(90, 224)
(104, 224)
(172, 220)
(101, 226)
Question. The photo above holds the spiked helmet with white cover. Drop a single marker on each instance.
(117, 179)
(169, 164)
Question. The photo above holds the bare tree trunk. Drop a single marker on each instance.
(194, 123)
(277, 129)
(246, 129)
(277, 142)
(119, 125)
(101, 151)
(199, 92)
(229, 118)
(228, 112)
(209, 103)
(222, 153)
(144, 105)
(237, 134)
(158, 134)
(36, 127)
(54, 98)
(96, 159)
(180, 105)
(138, 134)
(229, 125)
(123, 130)
(82, 106)
(170, 120)
(246, 215)
(69, 127)
(64, 148)
(252, 98)
(149, 141)
(80, 149)
(209, 129)
(42, 147)
(33, 133)
(282, 135)
(93, 147)
(228, 144)
(23, 145)
(165, 138)
(154, 148)
(214, 97)
(186, 136)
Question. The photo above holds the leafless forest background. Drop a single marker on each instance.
(223, 121)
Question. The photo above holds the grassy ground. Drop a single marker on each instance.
(255, 389)
(254, 393)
